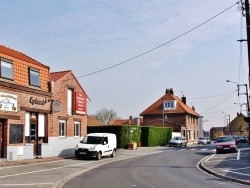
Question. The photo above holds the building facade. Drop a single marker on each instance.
(171, 111)
(68, 120)
(25, 102)
(42, 114)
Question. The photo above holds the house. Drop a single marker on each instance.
(238, 126)
(216, 132)
(68, 120)
(171, 111)
(42, 114)
(129, 121)
(25, 103)
(94, 122)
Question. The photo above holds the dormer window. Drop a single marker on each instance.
(34, 77)
(169, 105)
(6, 69)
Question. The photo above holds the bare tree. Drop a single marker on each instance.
(106, 116)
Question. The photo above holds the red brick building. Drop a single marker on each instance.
(68, 120)
(25, 102)
(171, 111)
(41, 114)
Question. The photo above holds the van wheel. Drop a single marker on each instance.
(98, 156)
(113, 154)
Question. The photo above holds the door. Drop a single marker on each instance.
(34, 137)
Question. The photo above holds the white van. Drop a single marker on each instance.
(96, 145)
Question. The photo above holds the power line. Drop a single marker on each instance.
(212, 95)
(153, 49)
(219, 103)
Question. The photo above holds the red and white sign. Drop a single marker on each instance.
(80, 103)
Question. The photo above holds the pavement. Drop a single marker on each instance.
(229, 166)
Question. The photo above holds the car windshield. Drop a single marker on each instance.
(225, 139)
(202, 138)
(177, 138)
(92, 140)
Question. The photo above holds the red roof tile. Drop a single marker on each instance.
(93, 122)
(55, 76)
(181, 108)
(13, 53)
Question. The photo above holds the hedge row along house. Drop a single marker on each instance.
(171, 111)
(42, 114)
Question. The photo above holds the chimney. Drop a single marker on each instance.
(171, 91)
(183, 99)
(193, 108)
(167, 90)
(130, 120)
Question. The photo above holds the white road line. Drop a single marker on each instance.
(209, 158)
(238, 155)
(204, 149)
(236, 172)
(194, 149)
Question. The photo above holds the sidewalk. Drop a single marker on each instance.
(233, 167)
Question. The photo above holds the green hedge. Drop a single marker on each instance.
(122, 133)
(155, 136)
(144, 136)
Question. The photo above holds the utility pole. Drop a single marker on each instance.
(245, 12)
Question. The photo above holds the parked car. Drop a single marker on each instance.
(241, 139)
(225, 144)
(178, 141)
(204, 140)
(96, 145)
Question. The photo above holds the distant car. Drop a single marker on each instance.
(241, 139)
(204, 140)
(178, 141)
(226, 144)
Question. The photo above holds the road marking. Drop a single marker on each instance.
(209, 158)
(194, 149)
(204, 149)
(236, 172)
(238, 155)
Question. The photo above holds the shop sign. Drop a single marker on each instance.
(80, 103)
(37, 101)
(8, 102)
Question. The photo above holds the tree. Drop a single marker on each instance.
(106, 116)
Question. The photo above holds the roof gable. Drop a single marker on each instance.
(19, 55)
(157, 107)
(64, 75)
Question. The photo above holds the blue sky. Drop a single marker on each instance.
(87, 36)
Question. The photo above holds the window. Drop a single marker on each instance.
(70, 101)
(62, 128)
(77, 129)
(34, 77)
(169, 105)
(6, 69)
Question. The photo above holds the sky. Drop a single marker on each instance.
(127, 53)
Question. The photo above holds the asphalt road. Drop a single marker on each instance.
(172, 168)
(144, 167)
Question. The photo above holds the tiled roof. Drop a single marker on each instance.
(126, 121)
(181, 107)
(13, 53)
(55, 76)
(93, 122)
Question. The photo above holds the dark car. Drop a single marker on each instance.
(226, 144)
(241, 139)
